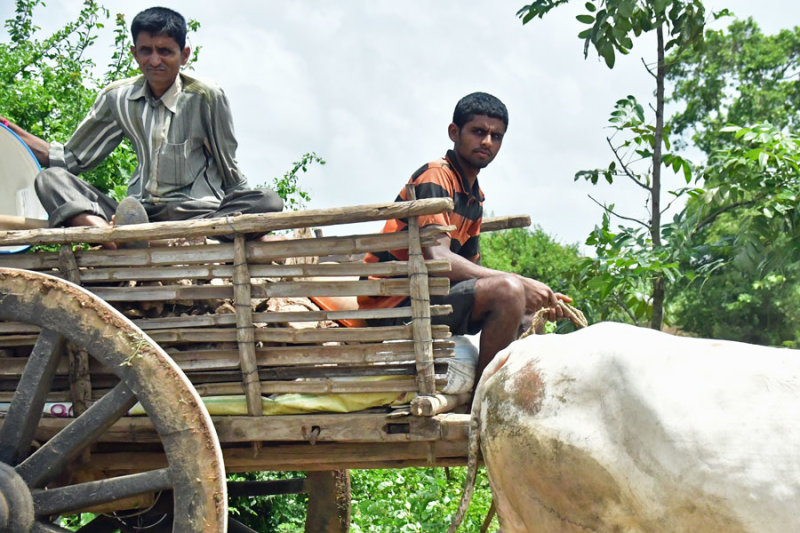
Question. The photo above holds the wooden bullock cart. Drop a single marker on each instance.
(128, 341)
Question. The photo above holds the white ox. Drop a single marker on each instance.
(618, 428)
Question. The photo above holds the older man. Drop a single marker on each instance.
(181, 129)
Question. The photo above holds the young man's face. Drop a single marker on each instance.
(478, 141)
(160, 59)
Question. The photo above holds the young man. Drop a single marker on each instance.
(182, 132)
(483, 299)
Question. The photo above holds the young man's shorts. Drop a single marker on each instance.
(461, 297)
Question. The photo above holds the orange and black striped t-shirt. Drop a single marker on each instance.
(438, 179)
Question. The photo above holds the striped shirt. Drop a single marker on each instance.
(184, 141)
(438, 179)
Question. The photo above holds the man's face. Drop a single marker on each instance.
(160, 59)
(478, 141)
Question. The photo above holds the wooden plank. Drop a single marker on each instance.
(305, 457)
(256, 223)
(342, 428)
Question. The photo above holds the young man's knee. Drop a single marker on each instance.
(505, 290)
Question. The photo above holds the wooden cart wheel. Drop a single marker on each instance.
(29, 497)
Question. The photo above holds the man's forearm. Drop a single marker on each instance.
(460, 267)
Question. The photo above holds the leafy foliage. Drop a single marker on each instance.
(48, 84)
(741, 76)
(286, 186)
(278, 514)
(383, 501)
(612, 24)
(414, 500)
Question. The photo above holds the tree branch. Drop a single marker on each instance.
(622, 217)
(710, 218)
(647, 68)
(627, 172)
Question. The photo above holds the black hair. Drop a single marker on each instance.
(160, 21)
(479, 104)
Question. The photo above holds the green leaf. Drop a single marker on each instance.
(590, 7)
(609, 57)
(586, 19)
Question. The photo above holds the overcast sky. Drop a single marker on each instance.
(370, 86)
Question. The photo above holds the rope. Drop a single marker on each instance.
(539, 318)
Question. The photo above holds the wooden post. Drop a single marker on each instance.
(328, 502)
(245, 336)
(80, 383)
(420, 306)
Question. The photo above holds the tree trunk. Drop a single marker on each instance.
(655, 190)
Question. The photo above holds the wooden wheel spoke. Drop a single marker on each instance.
(25, 410)
(76, 497)
(51, 458)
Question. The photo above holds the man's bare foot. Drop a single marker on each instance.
(93, 221)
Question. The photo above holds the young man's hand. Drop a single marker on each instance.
(539, 295)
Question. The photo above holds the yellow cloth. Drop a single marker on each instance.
(296, 404)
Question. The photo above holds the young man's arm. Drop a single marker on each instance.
(39, 147)
(537, 294)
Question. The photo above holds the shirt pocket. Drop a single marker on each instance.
(180, 164)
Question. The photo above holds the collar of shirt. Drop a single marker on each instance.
(169, 98)
(475, 190)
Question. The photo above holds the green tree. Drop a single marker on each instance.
(48, 84)
(610, 28)
(746, 233)
(744, 221)
(741, 76)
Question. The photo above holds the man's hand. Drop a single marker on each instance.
(539, 295)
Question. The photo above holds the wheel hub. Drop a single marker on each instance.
(16, 503)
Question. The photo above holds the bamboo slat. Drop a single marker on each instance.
(505, 222)
(257, 252)
(438, 403)
(313, 387)
(80, 382)
(194, 272)
(293, 336)
(244, 327)
(242, 224)
(420, 306)
(272, 317)
(277, 356)
(382, 287)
